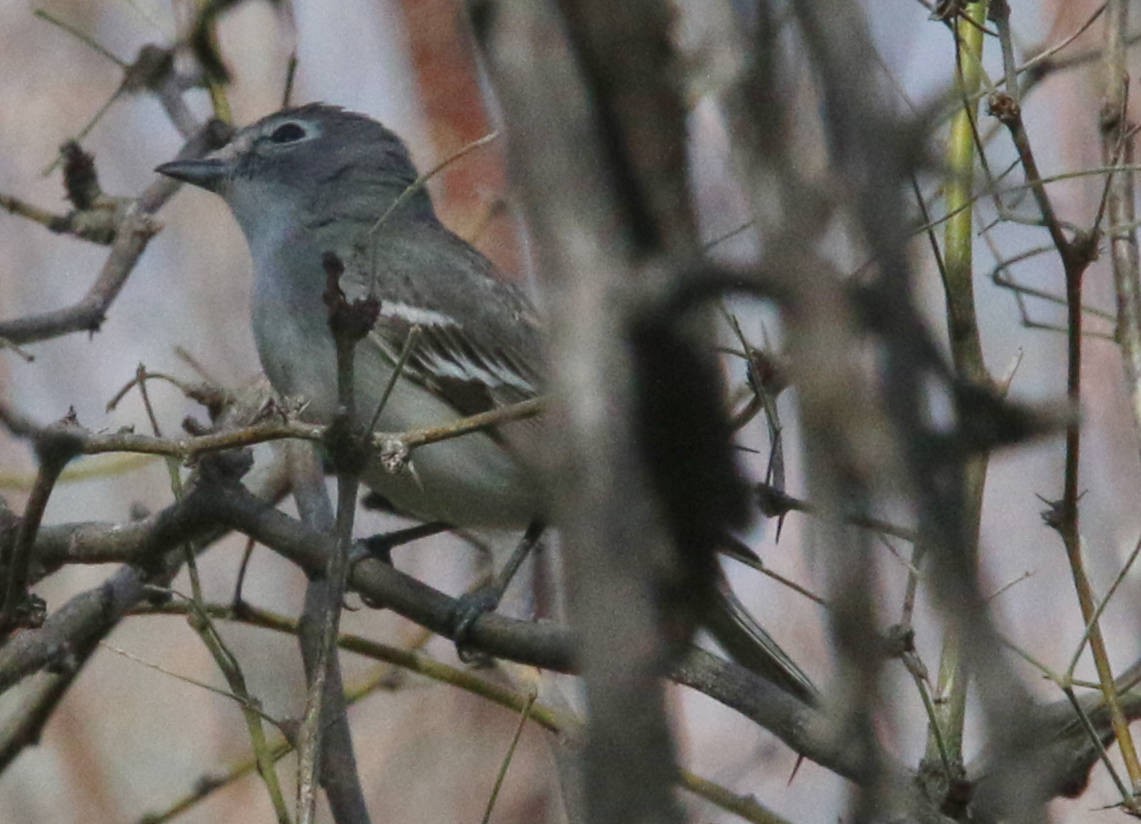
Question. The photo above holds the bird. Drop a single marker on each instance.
(315, 180)
(318, 179)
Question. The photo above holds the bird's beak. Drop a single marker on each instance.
(207, 173)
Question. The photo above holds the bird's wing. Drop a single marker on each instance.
(478, 345)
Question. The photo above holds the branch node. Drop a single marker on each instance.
(395, 456)
(347, 447)
(28, 612)
(80, 179)
(63, 660)
(1005, 108)
(58, 443)
(1054, 514)
(225, 467)
(349, 321)
(773, 502)
(151, 67)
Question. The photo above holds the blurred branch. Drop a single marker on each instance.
(203, 40)
(224, 659)
(349, 323)
(541, 644)
(395, 446)
(19, 608)
(152, 550)
(873, 158)
(628, 64)
(95, 226)
(774, 503)
(82, 37)
(338, 767)
(601, 137)
(1118, 134)
(524, 716)
(132, 234)
(400, 661)
(851, 454)
(386, 678)
(574, 110)
(945, 736)
(809, 732)
(39, 701)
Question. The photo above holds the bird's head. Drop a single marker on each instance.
(311, 163)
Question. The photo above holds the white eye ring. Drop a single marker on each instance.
(289, 132)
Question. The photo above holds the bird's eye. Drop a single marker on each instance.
(287, 133)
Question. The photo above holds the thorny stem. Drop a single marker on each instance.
(1076, 254)
(945, 738)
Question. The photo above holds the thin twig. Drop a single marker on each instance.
(419, 183)
(192, 447)
(524, 715)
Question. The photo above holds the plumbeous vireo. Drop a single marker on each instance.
(319, 179)
(316, 179)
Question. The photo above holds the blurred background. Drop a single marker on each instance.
(130, 739)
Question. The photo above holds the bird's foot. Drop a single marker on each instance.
(470, 607)
(381, 546)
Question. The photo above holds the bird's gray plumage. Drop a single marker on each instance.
(317, 179)
(488, 359)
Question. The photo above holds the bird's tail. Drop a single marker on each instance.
(749, 645)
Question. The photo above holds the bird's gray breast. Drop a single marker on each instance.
(291, 330)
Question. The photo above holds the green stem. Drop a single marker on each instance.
(966, 353)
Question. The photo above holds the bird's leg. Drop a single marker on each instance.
(471, 606)
(381, 546)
